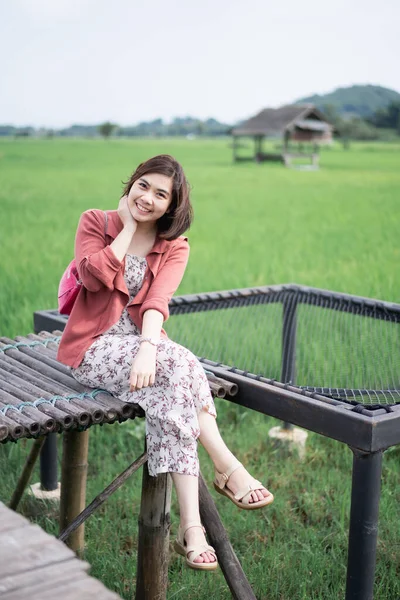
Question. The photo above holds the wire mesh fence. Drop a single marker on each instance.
(340, 346)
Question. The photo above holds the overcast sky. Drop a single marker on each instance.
(86, 61)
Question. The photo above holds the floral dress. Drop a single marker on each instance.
(171, 405)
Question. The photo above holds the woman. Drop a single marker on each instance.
(130, 262)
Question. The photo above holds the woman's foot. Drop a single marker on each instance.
(190, 542)
(237, 484)
(240, 479)
(195, 536)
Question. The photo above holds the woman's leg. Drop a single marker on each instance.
(187, 490)
(222, 457)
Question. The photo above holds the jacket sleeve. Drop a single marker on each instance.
(96, 262)
(167, 280)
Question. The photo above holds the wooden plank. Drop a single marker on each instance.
(29, 548)
(35, 565)
(50, 575)
(10, 520)
(86, 589)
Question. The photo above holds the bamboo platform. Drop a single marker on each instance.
(35, 565)
(38, 396)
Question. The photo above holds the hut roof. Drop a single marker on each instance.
(312, 125)
(272, 121)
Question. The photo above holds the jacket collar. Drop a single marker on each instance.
(114, 227)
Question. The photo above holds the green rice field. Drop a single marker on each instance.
(337, 228)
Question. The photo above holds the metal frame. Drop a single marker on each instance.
(368, 431)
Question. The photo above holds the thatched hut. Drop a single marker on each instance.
(303, 124)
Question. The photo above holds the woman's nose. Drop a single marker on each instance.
(148, 196)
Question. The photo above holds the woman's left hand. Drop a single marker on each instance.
(143, 369)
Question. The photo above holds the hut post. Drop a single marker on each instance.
(286, 139)
(73, 484)
(234, 148)
(260, 146)
(257, 148)
(285, 153)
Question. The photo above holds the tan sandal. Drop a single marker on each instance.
(242, 497)
(183, 549)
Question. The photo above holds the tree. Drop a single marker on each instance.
(106, 129)
(356, 129)
(386, 117)
(331, 114)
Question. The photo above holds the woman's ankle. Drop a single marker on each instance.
(224, 462)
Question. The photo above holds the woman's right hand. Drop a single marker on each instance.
(125, 214)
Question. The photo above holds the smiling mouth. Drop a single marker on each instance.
(142, 208)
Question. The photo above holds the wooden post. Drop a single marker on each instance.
(26, 472)
(153, 543)
(236, 579)
(73, 484)
(103, 496)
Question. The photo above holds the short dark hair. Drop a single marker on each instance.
(180, 211)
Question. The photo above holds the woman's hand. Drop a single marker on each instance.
(143, 369)
(125, 214)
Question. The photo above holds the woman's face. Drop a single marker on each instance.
(150, 197)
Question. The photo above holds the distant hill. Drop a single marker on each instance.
(362, 100)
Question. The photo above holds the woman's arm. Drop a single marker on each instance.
(155, 311)
(121, 243)
(167, 280)
(143, 369)
(97, 263)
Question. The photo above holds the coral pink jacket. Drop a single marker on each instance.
(104, 294)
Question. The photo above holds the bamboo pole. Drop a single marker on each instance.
(46, 356)
(53, 368)
(15, 430)
(27, 420)
(229, 388)
(26, 473)
(216, 389)
(53, 388)
(73, 484)
(59, 416)
(3, 430)
(48, 423)
(236, 579)
(103, 496)
(41, 369)
(153, 543)
(57, 372)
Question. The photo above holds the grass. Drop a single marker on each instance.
(254, 225)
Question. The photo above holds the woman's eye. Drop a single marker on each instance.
(143, 185)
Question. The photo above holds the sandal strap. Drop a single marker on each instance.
(198, 550)
(251, 487)
(188, 526)
(221, 479)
